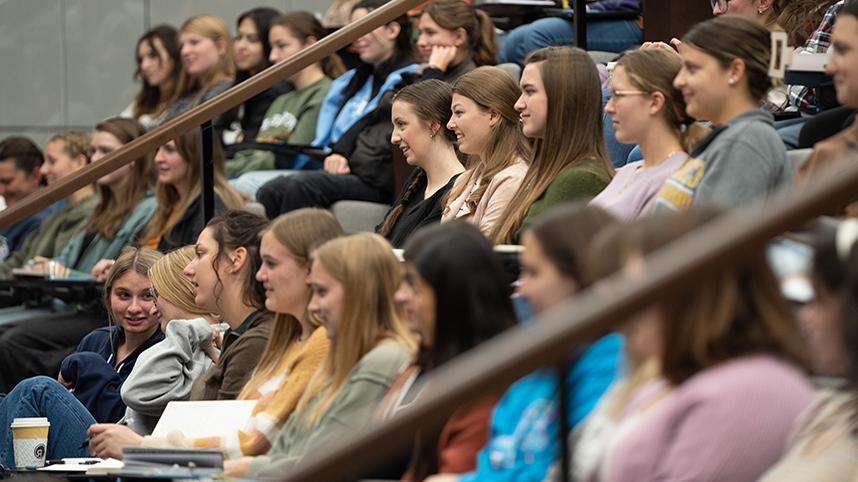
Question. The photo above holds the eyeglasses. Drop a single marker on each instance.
(619, 94)
(723, 5)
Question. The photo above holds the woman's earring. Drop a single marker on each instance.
(731, 81)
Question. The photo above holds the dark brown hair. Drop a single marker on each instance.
(23, 152)
(240, 229)
(303, 25)
(152, 99)
(731, 38)
(430, 100)
(456, 14)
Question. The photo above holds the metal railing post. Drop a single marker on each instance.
(207, 170)
(563, 423)
(580, 13)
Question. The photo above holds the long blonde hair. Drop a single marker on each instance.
(170, 282)
(215, 29)
(169, 211)
(573, 131)
(370, 275)
(491, 89)
(299, 231)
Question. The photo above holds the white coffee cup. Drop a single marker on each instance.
(30, 438)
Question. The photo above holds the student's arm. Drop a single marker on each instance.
(354, 411)
(96, 385)
(161, 373)
(244, 355)
(501, 191)
(305, 125)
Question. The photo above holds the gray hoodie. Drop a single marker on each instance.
(739, 162)
(165, 372)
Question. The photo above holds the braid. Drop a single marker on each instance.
(404, 198)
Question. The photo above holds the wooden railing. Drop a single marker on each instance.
(205, 112)
(497, 363)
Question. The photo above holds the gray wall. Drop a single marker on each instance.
(67, 64)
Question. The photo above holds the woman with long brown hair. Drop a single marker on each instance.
(454, 39)
(486, 128)
(158, 66)
(560, 107)
(420, 112)
(177, 220)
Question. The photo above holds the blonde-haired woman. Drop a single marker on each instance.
(559, 107)
(166, 371)
(208, 64)
(647, 110)
(353, 281)
(486, 127)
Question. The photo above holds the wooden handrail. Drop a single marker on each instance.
(521, 350)
(193, 118)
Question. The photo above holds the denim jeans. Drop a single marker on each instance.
(45, 397)
(605, 35)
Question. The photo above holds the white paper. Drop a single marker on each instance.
(204, 418)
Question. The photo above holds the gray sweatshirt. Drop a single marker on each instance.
(739, 162)
(165, 372)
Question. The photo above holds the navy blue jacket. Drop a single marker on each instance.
(96, 378)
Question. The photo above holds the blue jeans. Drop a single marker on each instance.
(605, 35)
(45, 397)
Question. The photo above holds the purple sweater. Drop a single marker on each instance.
(728, 423)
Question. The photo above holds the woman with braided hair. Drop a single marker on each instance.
(419, 114)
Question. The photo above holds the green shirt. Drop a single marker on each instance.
(352, 409)
(52, 236)
(580, 182)
(82, 258)
(291, 119)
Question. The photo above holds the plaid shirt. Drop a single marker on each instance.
(818, 43)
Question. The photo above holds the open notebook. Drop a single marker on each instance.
(204, 418)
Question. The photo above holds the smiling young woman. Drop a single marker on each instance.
(370, 345)
(177, 220)
(419, 115)
(158, 66)
(723, 79)
(208, 64)
(487, 129)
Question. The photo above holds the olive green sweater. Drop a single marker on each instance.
(582, 181)
(351, 410)
(52, 236)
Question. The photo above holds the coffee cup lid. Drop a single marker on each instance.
(30, 422)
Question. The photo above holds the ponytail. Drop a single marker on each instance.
(691, 134)
(404, 198)
(485, 40)
(455, 14)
